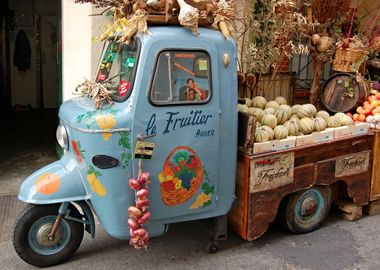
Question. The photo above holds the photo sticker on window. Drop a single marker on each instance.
(130, 62)
(203, 65)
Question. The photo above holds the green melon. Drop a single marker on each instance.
(269, 120)
(295, 108)
(333, 121)
(261, 135)
(280, 100)
(259, 113)
(281, 115)
(269, 110)
(306, 125)
(323, 114)
(295, 119)
(272, 104)
(303, 112)
(310, 109)
(258, 102)
(280, 132)
(293, 127)
(319, 124)
(243, 108)
(269, 131)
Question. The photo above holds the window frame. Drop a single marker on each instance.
(116, 97)
(180, 103)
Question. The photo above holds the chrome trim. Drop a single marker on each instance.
(94, 131)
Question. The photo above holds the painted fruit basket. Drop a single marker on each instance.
(181, 176)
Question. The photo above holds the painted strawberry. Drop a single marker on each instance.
(77, 150)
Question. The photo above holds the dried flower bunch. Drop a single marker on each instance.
(274, 31)
(132, 16)
(97, 91)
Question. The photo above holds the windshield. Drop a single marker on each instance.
(117, 68)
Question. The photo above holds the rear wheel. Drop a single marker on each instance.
(304, 211)
(31, 241)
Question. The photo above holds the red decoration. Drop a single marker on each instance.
(124, 87)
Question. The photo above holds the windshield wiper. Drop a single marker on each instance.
(113, 77)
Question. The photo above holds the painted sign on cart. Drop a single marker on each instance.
(352, 164)
(271, 171)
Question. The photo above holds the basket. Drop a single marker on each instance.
(172, 197)
(375, 45)
(348, 59)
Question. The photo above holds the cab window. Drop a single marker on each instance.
(181, 77)
(117, 68)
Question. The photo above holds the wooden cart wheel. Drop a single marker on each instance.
(304, 211)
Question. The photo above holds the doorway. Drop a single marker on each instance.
(29, 86)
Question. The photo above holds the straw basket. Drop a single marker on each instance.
(348, 59)
(172, 196)
(375, 45)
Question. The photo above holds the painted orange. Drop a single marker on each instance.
(47, 183)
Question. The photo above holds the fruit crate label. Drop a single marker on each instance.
(352, 164)
(271, 171)
(144, 150)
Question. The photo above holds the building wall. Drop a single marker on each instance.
(76, 45)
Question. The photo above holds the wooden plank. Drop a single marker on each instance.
(375, 180)
(373, 208)
(349, 210)
(238, 214)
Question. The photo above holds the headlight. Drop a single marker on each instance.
(62, 137)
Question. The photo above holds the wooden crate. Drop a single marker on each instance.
(258, 201)
(375, 180)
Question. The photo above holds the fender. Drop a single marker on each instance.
(57, 182)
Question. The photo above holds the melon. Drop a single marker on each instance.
(295, 108)
(306, 125)
(269, 110)
(269, 120)
(303, 112)
(293, 127)
(243, 108)
(259, 113)
(272, 104)
(284, 106)
(323, 114)
(280, 132)
(345, 120)
(269, 131)
(310, 109)
(333, 122)
(261, 135)
(258, 102)
(295, 119)
(247, 102)
(319, 124)
(281, 115)
(280, 100)
(258, 124)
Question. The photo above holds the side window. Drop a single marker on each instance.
(181, 77)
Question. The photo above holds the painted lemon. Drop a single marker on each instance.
(106, 122)
(96, 185)
(47, 183)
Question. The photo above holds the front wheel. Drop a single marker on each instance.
(31, 241)
(304, 211)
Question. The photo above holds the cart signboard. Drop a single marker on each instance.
(271, 171)
(352, 164)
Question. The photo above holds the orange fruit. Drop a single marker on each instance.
(47, 183)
